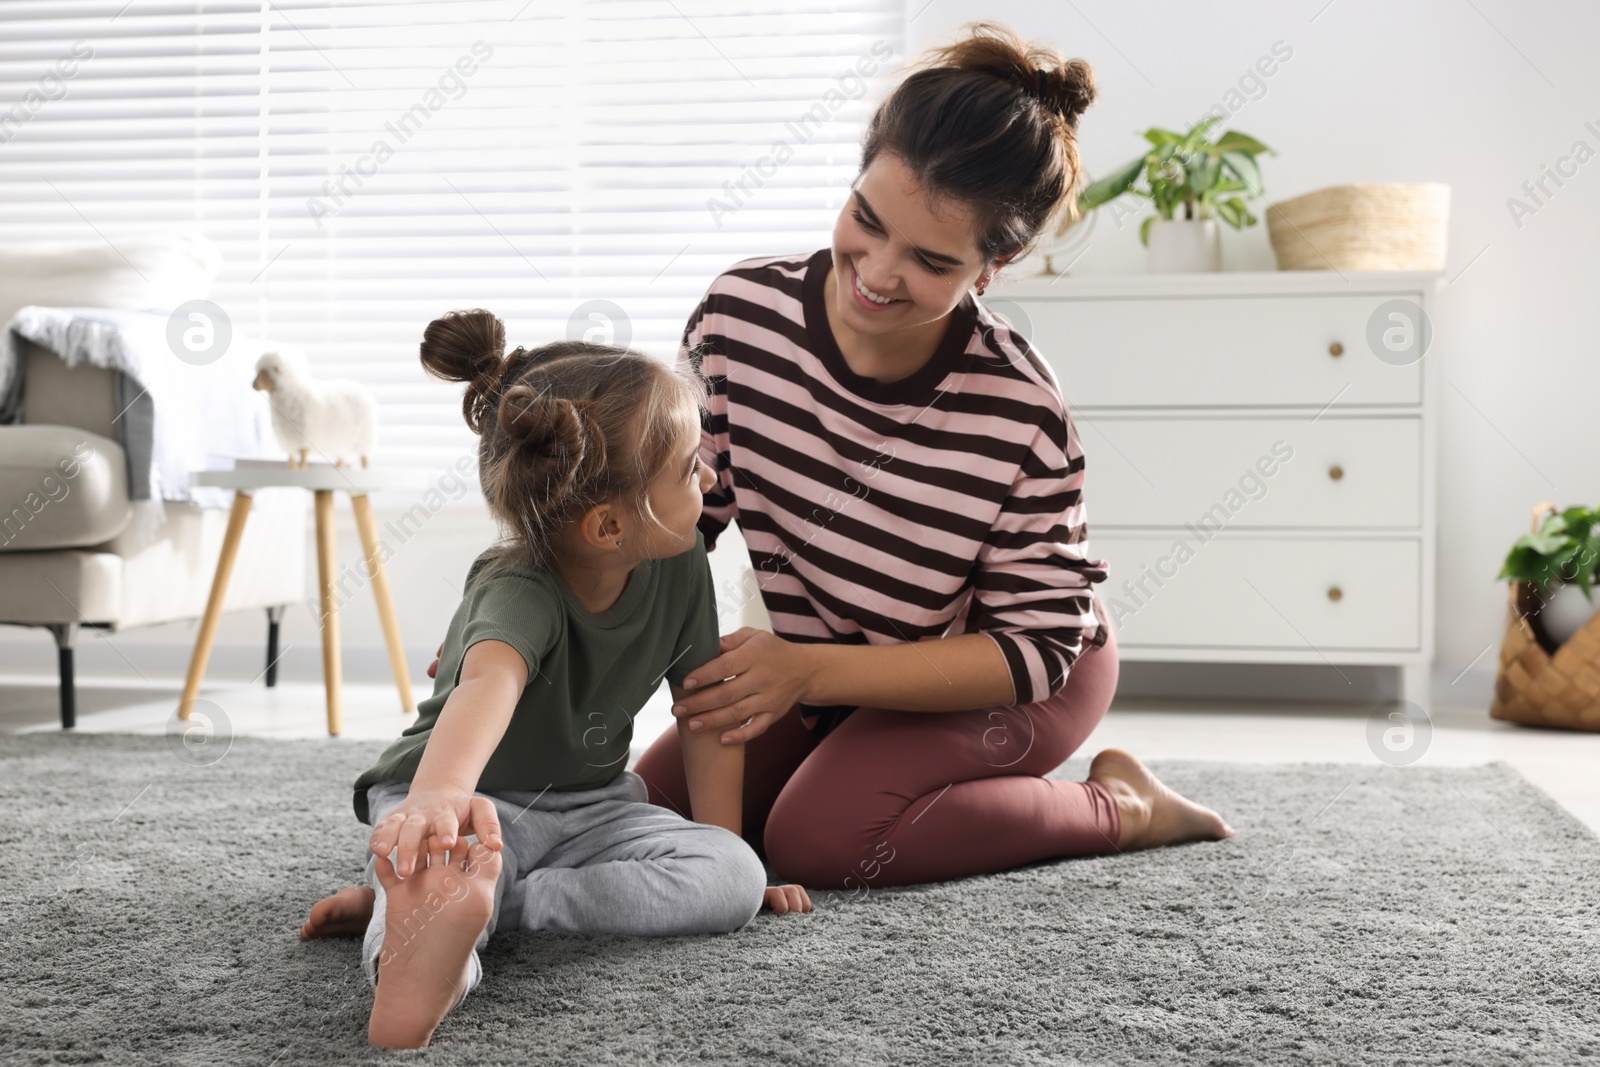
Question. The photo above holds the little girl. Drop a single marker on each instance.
(507, 803)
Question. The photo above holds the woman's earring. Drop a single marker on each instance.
(619, 544)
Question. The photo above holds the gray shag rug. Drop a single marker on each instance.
(1363, 914)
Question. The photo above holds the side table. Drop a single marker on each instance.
(323, 481)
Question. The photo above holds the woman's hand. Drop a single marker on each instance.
(765, 677)
(429, 822)
(780, 899)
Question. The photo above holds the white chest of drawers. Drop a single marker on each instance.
(1260, 459)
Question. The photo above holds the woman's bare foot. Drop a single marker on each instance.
(1152, 814)
(346, 912)
(432, 920)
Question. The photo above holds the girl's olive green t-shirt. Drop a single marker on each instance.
(588, 674)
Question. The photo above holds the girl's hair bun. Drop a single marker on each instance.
(468, 346)
(561, 427)
(540, 422)
(546, 427)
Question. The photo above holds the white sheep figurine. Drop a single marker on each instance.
(337, 419)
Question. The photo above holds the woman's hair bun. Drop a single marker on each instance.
(467, 346)
(1065, 87)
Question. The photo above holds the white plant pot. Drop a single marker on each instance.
(1567, 611)
(1184, 246)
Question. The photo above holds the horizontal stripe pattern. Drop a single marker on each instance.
(887, 522)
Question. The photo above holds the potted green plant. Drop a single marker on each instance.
(1192, 181)
(1558, 561)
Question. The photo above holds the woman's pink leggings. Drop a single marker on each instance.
(900, 797)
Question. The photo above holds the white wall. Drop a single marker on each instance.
(1374, 91)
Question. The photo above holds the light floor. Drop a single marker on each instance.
(1562, 763)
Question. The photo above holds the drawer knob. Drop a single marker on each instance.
(1336, 472)
(1335, 594)
(1336, 349)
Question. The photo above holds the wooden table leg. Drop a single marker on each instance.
(327, 562)
(219, 589)
(380, 592)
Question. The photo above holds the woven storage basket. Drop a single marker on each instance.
(1362, 227)
(1533, 687)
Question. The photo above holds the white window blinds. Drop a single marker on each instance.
(366, 166)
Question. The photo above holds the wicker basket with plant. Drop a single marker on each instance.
(1549, 669)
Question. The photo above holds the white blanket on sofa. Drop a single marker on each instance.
(173, 415)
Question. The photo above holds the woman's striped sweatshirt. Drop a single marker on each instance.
(947, 502)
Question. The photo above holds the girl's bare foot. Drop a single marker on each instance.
(783, 899)
(432, 920)
(346, 912)
(1152, 814)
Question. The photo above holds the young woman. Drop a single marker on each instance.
(911, 487)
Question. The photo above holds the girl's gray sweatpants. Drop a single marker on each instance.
(595, 861)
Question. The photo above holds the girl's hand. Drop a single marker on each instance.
(425, 822)
(766, 676)
(785, 898)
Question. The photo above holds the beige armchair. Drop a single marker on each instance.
(70, 556)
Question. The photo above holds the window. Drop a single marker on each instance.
(366, 166)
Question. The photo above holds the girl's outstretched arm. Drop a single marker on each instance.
(440, 803)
